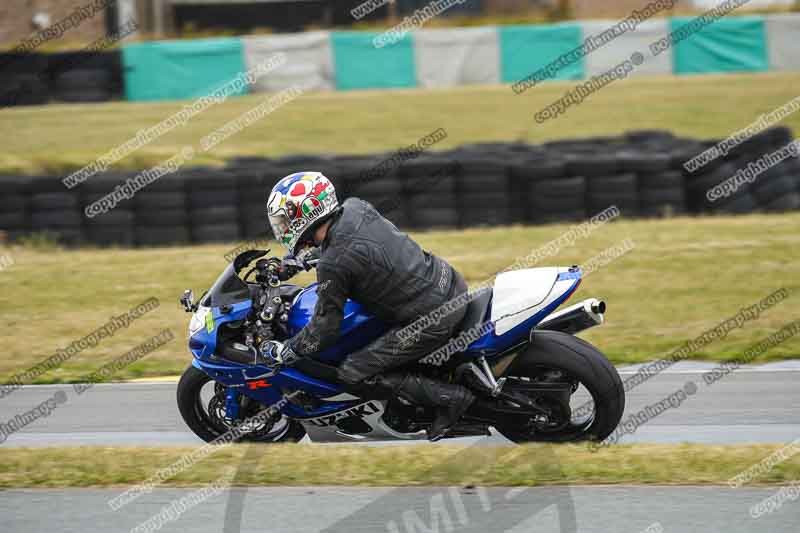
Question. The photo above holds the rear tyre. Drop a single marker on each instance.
(201, 418)
(576, 360)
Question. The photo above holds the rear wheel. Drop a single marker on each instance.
(201, 402)
(593, 400)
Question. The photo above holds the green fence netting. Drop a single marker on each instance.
(359, 64)
(526, 49)
(726, 45)
(176, 70)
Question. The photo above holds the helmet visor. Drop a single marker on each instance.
(278, 218)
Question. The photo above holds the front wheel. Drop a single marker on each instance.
(594, 397)
(201, 402)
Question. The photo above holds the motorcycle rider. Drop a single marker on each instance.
(366, 258)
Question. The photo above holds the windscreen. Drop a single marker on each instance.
(227, 290)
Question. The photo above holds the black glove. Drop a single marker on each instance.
(275, 353)
(303, 261)
(310, 257)
(289, 268)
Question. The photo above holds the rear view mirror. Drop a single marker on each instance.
(187, 300)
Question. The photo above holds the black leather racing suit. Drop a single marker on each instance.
(366, 258)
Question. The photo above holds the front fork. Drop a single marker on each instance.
(232, 398)
(270, 415)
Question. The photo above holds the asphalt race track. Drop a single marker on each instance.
(409, 510)
(758, 404)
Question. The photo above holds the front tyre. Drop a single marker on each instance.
(554, 356)
(200, 406)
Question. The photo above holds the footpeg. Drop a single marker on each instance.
(479, 380)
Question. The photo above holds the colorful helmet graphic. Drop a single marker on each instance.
(297, 204)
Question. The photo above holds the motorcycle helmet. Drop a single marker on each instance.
(298, 204)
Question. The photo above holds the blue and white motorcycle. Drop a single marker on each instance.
(537, 380)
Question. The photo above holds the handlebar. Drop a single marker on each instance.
(273, 270)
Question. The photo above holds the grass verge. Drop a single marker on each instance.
(292, 464)
(682, 277)
(44, 139)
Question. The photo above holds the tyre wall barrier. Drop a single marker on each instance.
(643, 173)
(441, 57)
(38, 78)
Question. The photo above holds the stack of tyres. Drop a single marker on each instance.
(643, 163)
(213, 205)
(776, 188)
(697, 181)
(375, 180)
(162, 216)
(649, 141)
(382, 187)
(742, 199)
(793, 172)
(83, 86)
(484, 192)
(22, 79)
(620, 190)
(248, 162)
(649, 135)
(518, 189)
(588, 146)
(486, 149)
(55, 210)
(661, 194)
(85, 76)
(349, 174)
(603, 184)
(701, 181)
(645, 172)
(553, 195)
(756, 188)
(590, 165)
(525, 176)
(255, 181)
(430, 190)
(344, 175)
(301, 163)
(698, 185)
(559, 200)
(14, 204)
(112, 227)
(657, 189)
(681, 153)
(523, 173)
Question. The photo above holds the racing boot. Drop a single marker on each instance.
(451, 400)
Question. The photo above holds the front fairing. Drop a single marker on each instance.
(203, 342)
(228, 300)
(228, 289)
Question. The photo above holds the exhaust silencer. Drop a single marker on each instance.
(583, 315)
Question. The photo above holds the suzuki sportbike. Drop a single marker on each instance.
(535, 380)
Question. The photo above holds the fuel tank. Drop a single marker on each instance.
(358, 328)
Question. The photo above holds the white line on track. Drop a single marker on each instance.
(701, 368)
